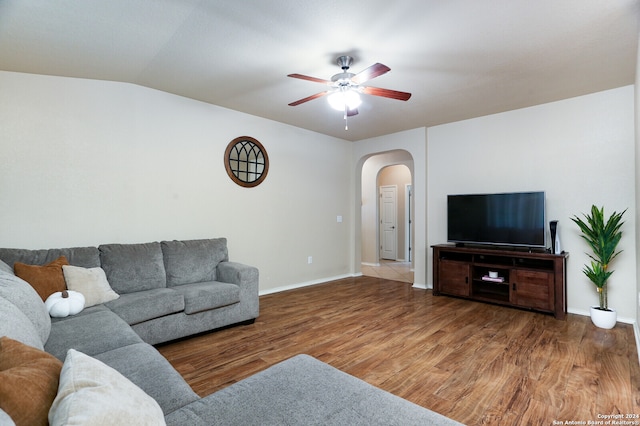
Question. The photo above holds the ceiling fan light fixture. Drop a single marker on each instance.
(344, 98)
(345, 88)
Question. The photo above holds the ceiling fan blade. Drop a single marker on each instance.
(352, 112)
(310, 98)
(386, 93)
(373, 71)
(306, 77)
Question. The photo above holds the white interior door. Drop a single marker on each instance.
(389, 222)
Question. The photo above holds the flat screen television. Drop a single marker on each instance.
(511, 219)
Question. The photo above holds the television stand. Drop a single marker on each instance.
(528, 280)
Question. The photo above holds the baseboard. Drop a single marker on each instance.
(370, 264)
(588, 314)
(323, 281)
(305, 284)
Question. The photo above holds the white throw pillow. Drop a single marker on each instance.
(64, 303)
(91, 282)
(92, 393)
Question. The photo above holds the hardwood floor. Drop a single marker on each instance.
(389, 270)
(473, 362)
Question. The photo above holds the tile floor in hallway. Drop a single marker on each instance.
(391, 270)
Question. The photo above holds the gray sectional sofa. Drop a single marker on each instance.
(106, 371)
(168, 289)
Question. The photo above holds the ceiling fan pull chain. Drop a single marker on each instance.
(346, 117)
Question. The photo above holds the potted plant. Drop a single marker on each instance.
(603, 238)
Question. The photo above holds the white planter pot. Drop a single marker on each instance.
(603, 319)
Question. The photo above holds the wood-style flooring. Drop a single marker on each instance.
(473, 362)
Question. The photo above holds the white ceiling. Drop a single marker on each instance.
(459, 58)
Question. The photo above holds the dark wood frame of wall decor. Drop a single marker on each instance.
(235, 174)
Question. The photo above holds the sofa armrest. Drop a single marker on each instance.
(246, 277)
(237, 273)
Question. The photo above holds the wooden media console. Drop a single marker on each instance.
(511, 277)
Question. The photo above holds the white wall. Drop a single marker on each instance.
(86, 162)
(580, 151)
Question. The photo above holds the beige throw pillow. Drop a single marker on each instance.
(91, 282)
(92, 394)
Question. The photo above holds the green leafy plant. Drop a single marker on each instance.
(603, 238)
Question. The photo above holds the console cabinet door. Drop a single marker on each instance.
(532, 289)
(454, 278)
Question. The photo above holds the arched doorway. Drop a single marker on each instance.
(386, 233)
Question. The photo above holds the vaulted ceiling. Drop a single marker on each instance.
(459, 58)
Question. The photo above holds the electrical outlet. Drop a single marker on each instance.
(310, 260)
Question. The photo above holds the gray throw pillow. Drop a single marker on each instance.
(6, 268)
(24, 297)
(15, 325)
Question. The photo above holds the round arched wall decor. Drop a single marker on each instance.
(246, 161)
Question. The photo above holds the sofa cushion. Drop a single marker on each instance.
(200, 297)
(147, 368)
(193, 261)
(4, 267)
(15, 324)
(92, 393)
(46, 279)
(145, 305)
(25, 298)
(87, 257)
(99, 331)
(91, 282)
(28, 382)
(304, 391)
(133, 267)
(86, 311)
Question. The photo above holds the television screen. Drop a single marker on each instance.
(516, 219)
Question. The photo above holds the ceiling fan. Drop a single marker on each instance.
(345, 87)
